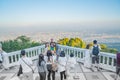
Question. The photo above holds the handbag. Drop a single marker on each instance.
(20, 71)
(54, 67)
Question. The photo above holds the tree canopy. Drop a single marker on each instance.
(19, 43)
(78, 42)
(74, 42)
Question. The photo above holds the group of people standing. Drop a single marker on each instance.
(50, 62)
(53, 60)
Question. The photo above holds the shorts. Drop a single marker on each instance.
(117, 69)
(95, 59)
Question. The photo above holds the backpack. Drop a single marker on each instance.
(95, 50)
(118, 59)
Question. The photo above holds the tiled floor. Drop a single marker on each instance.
(82, 74)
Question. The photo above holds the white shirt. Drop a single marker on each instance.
(1, 54)
(96, 46)
(25, 67)
(1, 57)
(4, 59)
(62, 64)
(71, 62)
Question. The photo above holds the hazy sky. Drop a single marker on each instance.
(46, 14)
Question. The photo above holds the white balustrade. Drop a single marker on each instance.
(11, 59)
(78, 52)
(107, 60)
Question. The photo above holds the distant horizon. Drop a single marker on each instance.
(99, 30)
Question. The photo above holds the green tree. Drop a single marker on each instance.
(19, 43)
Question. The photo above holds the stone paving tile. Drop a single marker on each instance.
(94, 76)
(77, 68)
(82, 72)
(110, 75)
(85, 69)
(79, 76)
(1, 70)
(5, 76)
(2, 77)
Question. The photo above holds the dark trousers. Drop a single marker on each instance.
(62, 74)
(95, 59)
(1, 65)
(53, 75)
(117, 69)
(42, 75)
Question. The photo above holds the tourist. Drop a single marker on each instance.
(95, 55)
(49, 65)
(54, 64)
(42, 69)
(62, 64)
(52, 48)
(71, 64)
(47, 47)
(117, 66)
(87, 59)
(51, 42)
(26, 64)
(1, 57)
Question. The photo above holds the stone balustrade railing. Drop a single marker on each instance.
(11, 59)
(107, 60)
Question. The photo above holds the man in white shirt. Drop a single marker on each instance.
(26, 64)
(71, 64)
